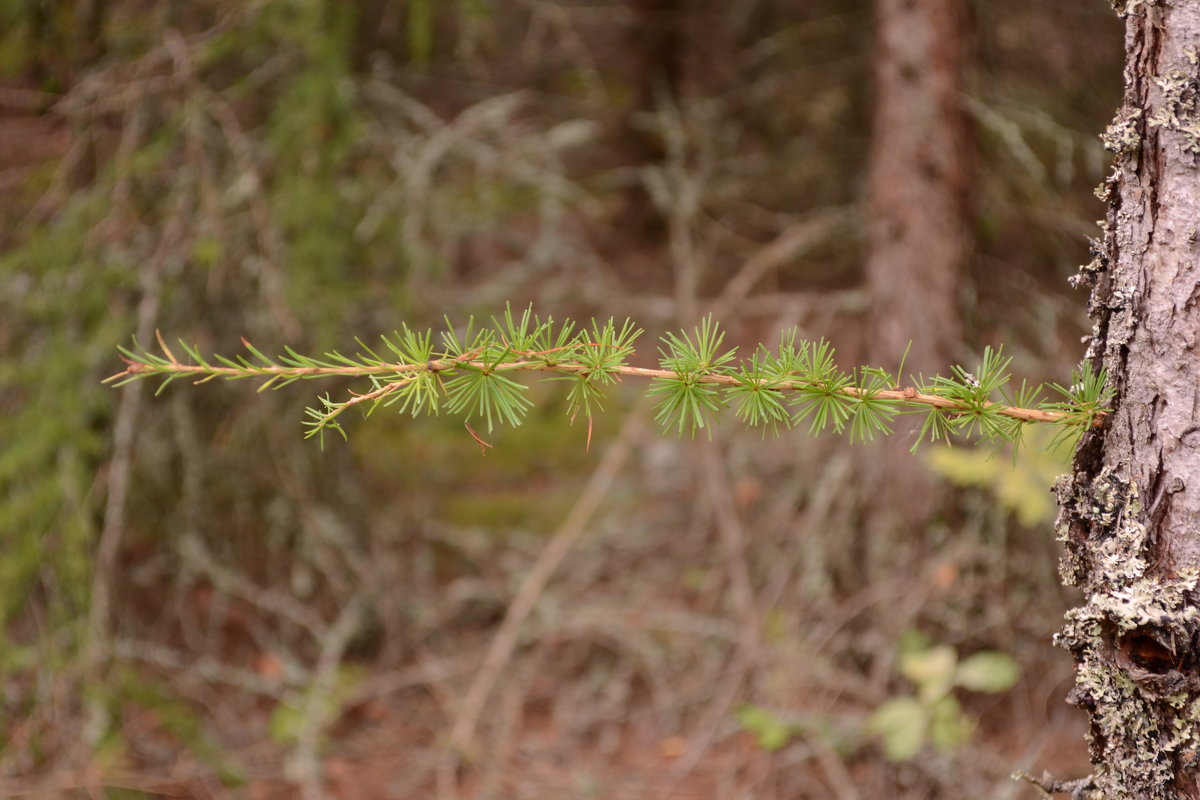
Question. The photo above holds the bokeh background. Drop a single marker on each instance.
(196, 602)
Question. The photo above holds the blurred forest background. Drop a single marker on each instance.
(196, 602)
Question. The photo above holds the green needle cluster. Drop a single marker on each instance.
(478, 372)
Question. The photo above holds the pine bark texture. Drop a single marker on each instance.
(1129, 514)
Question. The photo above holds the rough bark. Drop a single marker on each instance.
(919, 211)
(1130, 511)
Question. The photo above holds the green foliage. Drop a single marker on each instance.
(905, 723)
(476, 372)
(773, 731)
(53, 322)
(822, 395)
(756, 397)
(974, 393)
(1088, 395)
(59, 299)
(602, 354)
(255, 154)
(1022, 486)
(687, 400)
(770, 731)
(315, 195)
(987, 671)
(901, 723)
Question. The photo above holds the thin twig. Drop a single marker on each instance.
(1078, 788)
(194, 553)
(905, 394)
(202, 668)
(791, 243)
(98, 644)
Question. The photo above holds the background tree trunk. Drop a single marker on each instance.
(919, 214)
(1129, 514)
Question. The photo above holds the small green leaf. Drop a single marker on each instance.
(912, 641)
(901, 723)
(989, 671)
(285, 723)
(1021, 484)
(771, 732)
(949, 727)
(931, 670)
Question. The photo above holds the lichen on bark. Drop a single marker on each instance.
(1129, 514)
(1123, 134)
(1131, 641)
(1179, 109)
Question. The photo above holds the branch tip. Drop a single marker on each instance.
(695, 378)
(483, 445)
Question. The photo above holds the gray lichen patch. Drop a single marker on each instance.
(1160, 604)
(1071, 568)
(1130, 745)
(1089, 272)
(1106, 190)
(1126, 7)
(1112, 499)
(1136, 754)
(1116, 546)
(1119, 302)
(1124, 134)
(1138, 736)
(1179, 110)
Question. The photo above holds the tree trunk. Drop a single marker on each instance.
(919, 178)
(1129, 513)
(919, 213)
